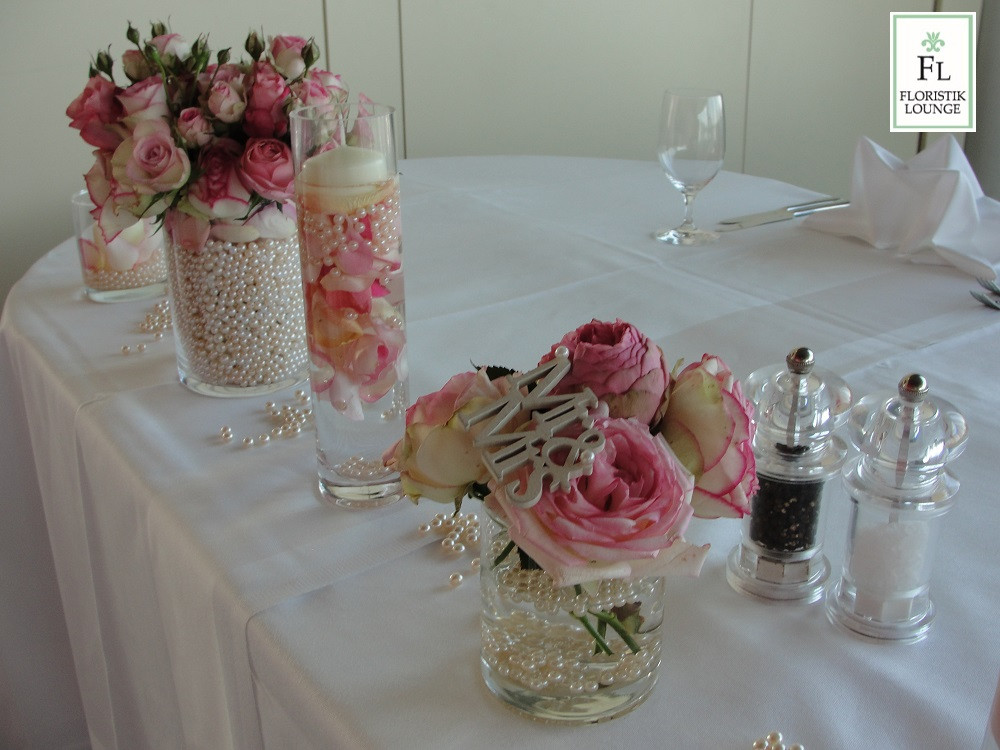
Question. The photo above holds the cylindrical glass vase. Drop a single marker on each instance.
(236, 304)
(575, 654)
(347, 192)
(131, 265)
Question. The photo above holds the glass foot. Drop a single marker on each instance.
(687, 236)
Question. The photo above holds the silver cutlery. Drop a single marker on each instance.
(993, 288)
(780, 214)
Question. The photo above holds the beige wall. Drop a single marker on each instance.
(802, 80)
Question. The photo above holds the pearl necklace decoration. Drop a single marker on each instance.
(156, 321)
(287, 420)
(774, 741)
(461, 534)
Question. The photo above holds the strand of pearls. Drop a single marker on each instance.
(287, 420)
(774, 741)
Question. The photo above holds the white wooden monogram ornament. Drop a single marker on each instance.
(528, 401)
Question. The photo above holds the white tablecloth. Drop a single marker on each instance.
(211, 601)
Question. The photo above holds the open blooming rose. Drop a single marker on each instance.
(619, 364)
(708, 424)
(624, 520)
(436, 457)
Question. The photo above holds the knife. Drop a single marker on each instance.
(779, 214)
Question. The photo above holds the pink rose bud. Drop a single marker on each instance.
(287, 53)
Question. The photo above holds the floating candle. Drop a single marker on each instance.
(342, 179)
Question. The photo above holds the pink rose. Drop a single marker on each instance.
(226, 101)
(227, 73)
(193, 128)
(624, 520)
(273, 221)
(218, 192)
(436, 458)
(619, 364)
(171, 47)
(267, 93)
(149, 161)
(709, 425)
(286, 51)
(96, 113)
(330, 81)
(136, 66)
(266, 168)
(145, 100)
(309, 92)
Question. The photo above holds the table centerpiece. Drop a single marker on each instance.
(590, 467)
(203, 146)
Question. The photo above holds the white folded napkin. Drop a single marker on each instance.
(930, 209)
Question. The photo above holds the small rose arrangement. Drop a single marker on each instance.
(677, 444)
(206, 141)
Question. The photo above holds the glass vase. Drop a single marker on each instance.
(347, 194)
(236, 305)
(130, 266)
(574, 654)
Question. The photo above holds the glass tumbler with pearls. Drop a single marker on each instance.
(798, 409)
(129, 266)
(575, 654)
(900, 487)
(236, 302)
(347, 193)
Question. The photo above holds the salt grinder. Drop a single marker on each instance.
(899, 490)
(798, 408)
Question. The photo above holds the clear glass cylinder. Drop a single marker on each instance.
(130, 266)
(550, 653)
(236, 306)
(797, 409)
(899, 489)
(347, 193)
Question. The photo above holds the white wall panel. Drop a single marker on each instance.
(564, 77)
(819, 79)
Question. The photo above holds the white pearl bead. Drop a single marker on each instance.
(455, 579)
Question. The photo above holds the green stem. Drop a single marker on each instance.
(503, 554)
(616, 625)
(599, 642)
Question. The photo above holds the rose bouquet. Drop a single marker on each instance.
(207, 141)
(651, 449)
(590, 467)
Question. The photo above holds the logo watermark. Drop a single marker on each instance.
(933, 76)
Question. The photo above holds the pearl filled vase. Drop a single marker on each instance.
(565, 654)
(236, 304)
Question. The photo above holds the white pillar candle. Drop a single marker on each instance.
(341, 179)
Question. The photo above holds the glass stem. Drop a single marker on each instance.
(688, 222)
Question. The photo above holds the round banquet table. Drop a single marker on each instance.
(164, 589)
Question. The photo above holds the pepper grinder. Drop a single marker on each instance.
(797, 410)
(899, 489)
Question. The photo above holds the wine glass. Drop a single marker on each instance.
(691, 146)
